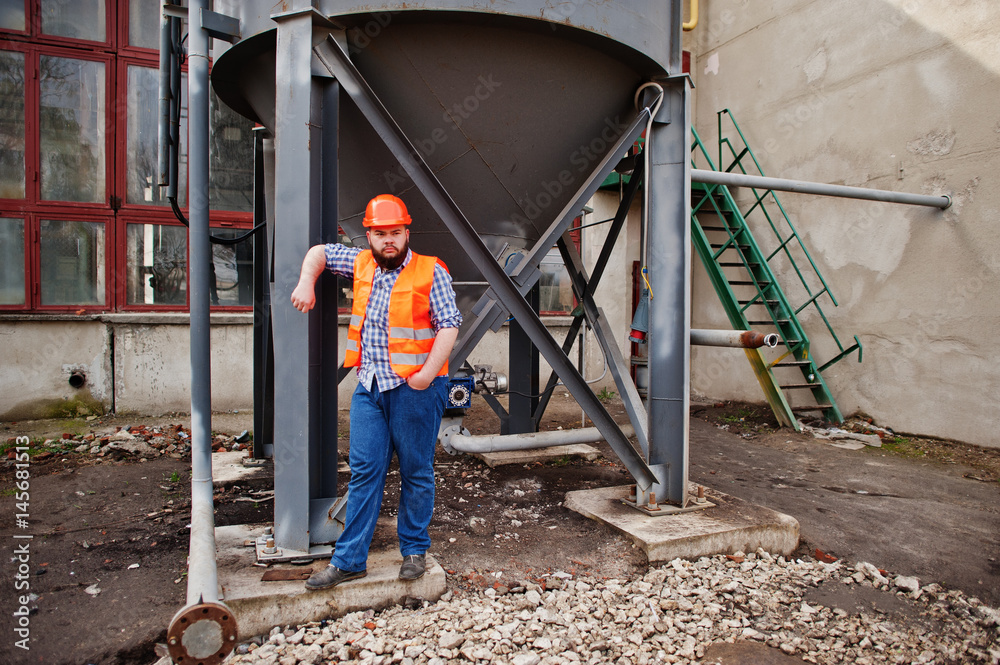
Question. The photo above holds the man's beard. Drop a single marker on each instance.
(390, 263)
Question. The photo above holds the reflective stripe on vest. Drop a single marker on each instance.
(408, 358)
(411, 333)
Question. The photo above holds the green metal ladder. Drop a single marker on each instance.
(741, 273)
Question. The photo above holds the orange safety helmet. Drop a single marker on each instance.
(386, 210)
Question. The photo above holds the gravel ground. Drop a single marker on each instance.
(673, 614)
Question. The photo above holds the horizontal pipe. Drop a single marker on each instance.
(495, 443)
(740, 339)
(822, 189)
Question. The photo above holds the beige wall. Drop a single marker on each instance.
(36, 361)
(132, 362)
(887, 94)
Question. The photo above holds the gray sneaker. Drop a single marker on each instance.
(413, 567)
(332, 576)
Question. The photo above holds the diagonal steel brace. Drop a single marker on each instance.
(490, 309)
(598, 322)
(335, 60)
(595, 278)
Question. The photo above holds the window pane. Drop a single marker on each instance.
(144, 23)
(12, 15)
(555, 289)
(11, 261)
(232, 279)
(72, 114)
(142, 138)
(11, 125)
(80, 19)
(231, 155)
(156, 264)
(72, 263)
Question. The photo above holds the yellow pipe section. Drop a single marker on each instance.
(693, 22)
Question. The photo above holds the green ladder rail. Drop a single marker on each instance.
(723, 240)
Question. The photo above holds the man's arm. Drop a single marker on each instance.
(444, 341)
(304, 294)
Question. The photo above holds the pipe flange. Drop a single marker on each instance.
(450, 432)
(204, 634)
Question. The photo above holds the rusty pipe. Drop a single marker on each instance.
(739, 339)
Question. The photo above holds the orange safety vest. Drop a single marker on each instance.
(411, 333)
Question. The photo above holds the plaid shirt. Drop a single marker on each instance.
(375, 330)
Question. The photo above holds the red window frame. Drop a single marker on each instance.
(59, 214)
(117, 55)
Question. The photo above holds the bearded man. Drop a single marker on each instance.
(404, 323)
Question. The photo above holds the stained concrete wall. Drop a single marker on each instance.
(888, 94)
(132, 362)
(37, 358)
(152, 363)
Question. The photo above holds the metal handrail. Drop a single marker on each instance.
(813, 297)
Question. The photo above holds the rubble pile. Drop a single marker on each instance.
(671, 615)
(133, 441)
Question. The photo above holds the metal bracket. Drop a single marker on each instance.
(267, 552)
(220, 26)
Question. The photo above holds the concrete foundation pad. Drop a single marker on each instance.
(259, 606)
(228, 468)
(539, 454)
(732, 526)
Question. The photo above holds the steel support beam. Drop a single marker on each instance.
(602, 262)
(263, 350)
(669, 261)
(522, 398)
(305, 350)
(598, 322)
(820, 188)
(526, 273)
(335, 60)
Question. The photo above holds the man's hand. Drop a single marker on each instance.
(304, 297)
(418, 381)
(304, 294)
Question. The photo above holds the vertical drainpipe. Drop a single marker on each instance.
(204, 630)
(202, 579)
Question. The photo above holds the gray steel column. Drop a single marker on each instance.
(522, 399)
(203, 583)
(326, 297)
(296, 336)
(669, 262)
(263, 352)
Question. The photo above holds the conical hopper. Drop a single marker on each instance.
(511, 114)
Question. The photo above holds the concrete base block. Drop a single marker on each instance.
(539, 455)
(259, 606)
(732, 526)
(228, 468)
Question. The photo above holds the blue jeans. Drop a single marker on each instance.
(403, 421)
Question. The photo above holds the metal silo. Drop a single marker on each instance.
(495, 122)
